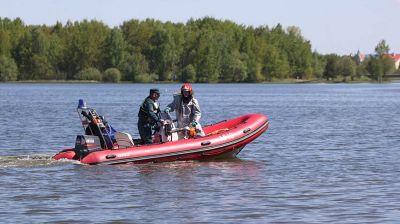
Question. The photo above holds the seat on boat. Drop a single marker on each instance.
(124, 140)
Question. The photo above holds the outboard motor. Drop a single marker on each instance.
(94, 124)
(85, 144)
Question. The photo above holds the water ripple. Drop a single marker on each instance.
(330, 156)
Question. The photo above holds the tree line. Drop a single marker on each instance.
(202, 50)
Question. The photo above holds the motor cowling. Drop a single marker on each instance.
(165, 134)
(86, 144)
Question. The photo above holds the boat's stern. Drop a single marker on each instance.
(65, 154)
(84, 145)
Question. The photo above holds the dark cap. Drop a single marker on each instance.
(154, 91)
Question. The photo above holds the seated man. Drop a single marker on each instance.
(187, 109)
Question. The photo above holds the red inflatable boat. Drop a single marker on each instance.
(226, 138)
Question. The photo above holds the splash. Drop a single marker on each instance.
(28, 161)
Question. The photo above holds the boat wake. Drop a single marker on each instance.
(38, 160)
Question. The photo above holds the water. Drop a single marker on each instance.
(331, 155)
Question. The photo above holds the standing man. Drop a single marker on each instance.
(149, 116)
(187, 109)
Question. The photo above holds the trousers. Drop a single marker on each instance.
(145, 132)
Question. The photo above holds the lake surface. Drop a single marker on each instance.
(331, 155)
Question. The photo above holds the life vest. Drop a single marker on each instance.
(143, 113)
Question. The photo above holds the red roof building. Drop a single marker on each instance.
(395, 58)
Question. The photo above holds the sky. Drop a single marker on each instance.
(331, 26)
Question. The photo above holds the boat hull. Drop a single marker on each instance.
(224, 139)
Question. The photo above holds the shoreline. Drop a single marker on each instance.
(289, 81)
(339, 79)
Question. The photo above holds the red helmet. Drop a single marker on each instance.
(187, 87)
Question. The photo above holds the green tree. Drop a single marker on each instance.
(162, 54)
(5, 43)
(55, 54)
(206, 58)
(216, 50)
(388, 65)
(86, 42)
(138, 67)
(254, 71)
(146, 78)
(275, 64)
(299, 53)
(23, 56)
(375, 68)
(189, 74)
(382, 48)
(138, 33)
(112, 75)
(293, 47)
(361, 70)
(41, 69)
(347, 67)
(249, 47)
(115, 49)
(40, 66)
(8, 69)
(331, 67)
(234, 70)
(89, 74)
(32, 55)
(318, 65)
(16, 30)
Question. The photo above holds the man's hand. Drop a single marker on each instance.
(161, 122)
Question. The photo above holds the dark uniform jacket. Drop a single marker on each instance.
(149, 111)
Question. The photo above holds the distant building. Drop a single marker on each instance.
(360, 57)
(395, 58)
